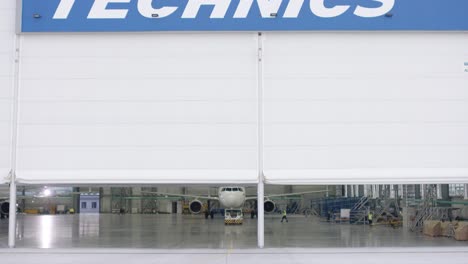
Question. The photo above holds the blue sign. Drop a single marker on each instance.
(241, 15)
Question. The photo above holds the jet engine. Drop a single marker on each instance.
(5, 208)
(269, 206)
(195, 206)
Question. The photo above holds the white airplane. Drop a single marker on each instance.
(232, 199)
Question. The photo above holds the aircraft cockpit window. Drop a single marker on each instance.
(235, 189)
(228, 190)
(223, 189)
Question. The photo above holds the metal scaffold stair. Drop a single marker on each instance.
(429, 213)
(359, 211)
(360, 204)
(388, 205)
(428, 209)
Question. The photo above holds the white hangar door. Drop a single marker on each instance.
(366, 108)
(7, 34)
(138, 108)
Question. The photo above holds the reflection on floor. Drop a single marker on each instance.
(177, 231)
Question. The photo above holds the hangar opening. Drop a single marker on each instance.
(226, 217)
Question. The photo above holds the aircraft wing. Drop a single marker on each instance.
(184, 195)
(297, 193)
(286, 194)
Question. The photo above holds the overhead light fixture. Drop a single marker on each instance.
(389, 15)
(273, 14)
(37, 16)
(154, 15)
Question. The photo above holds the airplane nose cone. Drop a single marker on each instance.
(232, 201)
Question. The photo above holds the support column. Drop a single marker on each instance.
(392, 191)
(23, 201)
(375, 191)
(439, 191)
(260, 128)
(14, 143)
(466, 191)
(136, 203)
(445, 192)
(76, 199)
(261, 213)
(365, 190)
(346, 191)
(339, 192)
(417, 191)
(12, 214)
(423, 191)
(106, 201)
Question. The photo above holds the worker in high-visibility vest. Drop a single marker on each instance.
(370, 216)
(284, 217)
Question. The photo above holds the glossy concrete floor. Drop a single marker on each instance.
(188, 232)
(452, 255)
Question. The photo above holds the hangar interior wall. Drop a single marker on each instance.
(182, 108)
(7, 53)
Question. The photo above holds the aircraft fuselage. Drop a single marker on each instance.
(231, 197)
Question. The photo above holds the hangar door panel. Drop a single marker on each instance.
(366, 107)
(138, 108)
(7, 52)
